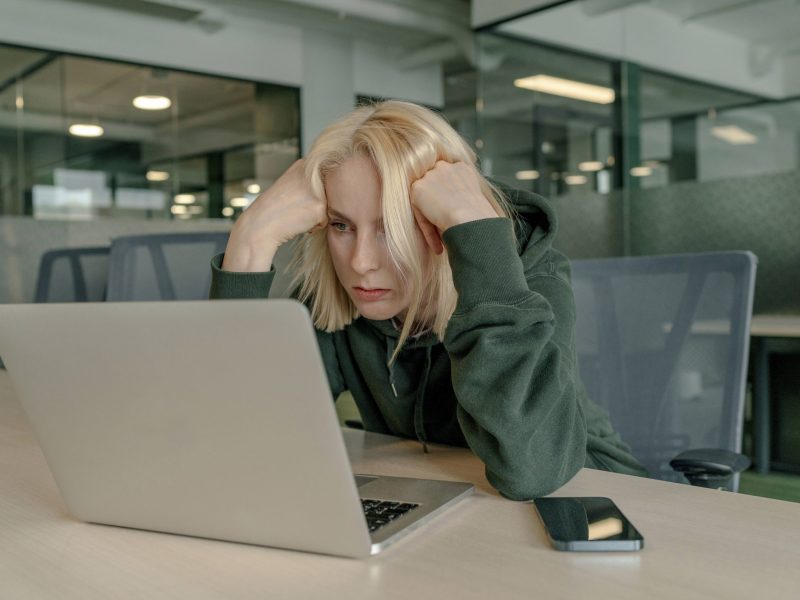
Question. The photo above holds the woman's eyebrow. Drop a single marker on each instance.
(338, 215)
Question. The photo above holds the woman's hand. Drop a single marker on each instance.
(448, 194)
(285, 210)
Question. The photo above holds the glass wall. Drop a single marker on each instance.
(655, 128)
(82, 138)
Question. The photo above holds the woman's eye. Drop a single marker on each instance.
(339, 226)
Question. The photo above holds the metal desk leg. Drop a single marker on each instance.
(761, 405)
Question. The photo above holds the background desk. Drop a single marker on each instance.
(767, 333)
(699, 543)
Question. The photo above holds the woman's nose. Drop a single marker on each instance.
(366, 254)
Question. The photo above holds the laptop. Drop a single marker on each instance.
(209, 419)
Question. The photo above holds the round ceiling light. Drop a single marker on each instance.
(152, 102)
(86, 130)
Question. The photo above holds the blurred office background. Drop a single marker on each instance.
(656, 126)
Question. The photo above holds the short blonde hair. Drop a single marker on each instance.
(404, 141)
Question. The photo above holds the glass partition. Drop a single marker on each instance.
(82, 138)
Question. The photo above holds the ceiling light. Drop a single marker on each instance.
(86, 130)
(184, 199)
(152, 102)
(157, 176)
(590, 166)
(575, 179)
(239, 202)
(20, 102)
(253, 188)
(733, 134)
(567, 88)
(643, 171)
(527, 175)
(179, 210)
(227, 211)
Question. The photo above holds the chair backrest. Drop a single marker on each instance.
(662, 345)
(171, 266)
(72, 275)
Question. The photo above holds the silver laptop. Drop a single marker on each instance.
(211, 419)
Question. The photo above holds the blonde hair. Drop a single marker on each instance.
(403, 141)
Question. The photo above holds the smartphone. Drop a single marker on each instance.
(587, 525)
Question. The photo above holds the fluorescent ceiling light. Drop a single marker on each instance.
(591, 166)
(527, 175)
(184, 199)
(733, 134)
(643, 171)
(239, 202)
(253, 188)
(227, 211)
(152, 102)
(86, 130)
(157, 176)
(567, 88)
(575, 179)
(177, 209)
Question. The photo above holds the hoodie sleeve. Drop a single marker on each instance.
(228, 285)
(510, 342)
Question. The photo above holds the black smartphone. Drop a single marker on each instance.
(587, 524)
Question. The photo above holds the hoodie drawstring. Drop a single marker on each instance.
(419, 401)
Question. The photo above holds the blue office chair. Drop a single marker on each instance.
(662, 345)
(169, 266)
(72, 275)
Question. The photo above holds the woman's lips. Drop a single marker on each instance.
(370, 295)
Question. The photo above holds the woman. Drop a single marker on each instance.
(438, 299)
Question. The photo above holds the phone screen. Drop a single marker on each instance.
(587, 524)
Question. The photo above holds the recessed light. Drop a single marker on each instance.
(577, 90)
(253, 188)
(86, 130)
(152, 102)
(157, 176)
(227, 211)
(527, 175)
(590, 166)
(184, 199)
(177, 209)
(733, 134)
(643, 171)
(575, 179)
(240, 202)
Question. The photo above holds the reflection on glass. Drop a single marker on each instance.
(154, 135)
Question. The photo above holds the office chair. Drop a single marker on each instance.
(662, 345)
(168, 266)
(72, 275)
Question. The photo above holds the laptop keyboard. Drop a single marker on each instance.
(381, 512)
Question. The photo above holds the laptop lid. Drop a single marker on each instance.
(211, 419)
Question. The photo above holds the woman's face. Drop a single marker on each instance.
(357, 241)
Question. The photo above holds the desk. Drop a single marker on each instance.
(699, 543)
(765, 331)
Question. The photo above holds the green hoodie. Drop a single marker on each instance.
(505, 380)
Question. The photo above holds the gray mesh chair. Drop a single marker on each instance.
(171, 266)
(72, 275)
(662, 345)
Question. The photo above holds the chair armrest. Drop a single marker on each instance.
(710, 467)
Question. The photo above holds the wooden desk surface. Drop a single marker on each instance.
(699, 543)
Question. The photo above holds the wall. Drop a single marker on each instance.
(757, 213)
